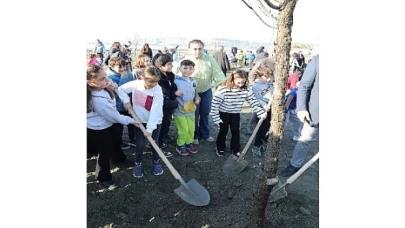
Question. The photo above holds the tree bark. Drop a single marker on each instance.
(282, 57)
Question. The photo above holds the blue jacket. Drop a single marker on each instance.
(186, 106)
(308, 91)
(117, 78)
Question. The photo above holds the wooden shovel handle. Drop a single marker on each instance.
(156, 147)
(254, 133)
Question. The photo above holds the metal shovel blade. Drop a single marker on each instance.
(277, 193)
(197, 195)
(232, 166)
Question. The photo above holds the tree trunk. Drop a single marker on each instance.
(282, 58)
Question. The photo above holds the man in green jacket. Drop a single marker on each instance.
(206, 72)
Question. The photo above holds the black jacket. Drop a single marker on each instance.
(222, 59)
(168, 89)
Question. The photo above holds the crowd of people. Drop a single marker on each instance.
(161, 88)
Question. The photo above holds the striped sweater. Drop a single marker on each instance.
(231, 101)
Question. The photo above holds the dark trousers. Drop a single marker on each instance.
(130, 127)
(164, 129)
(263, 129)
(141, 140)
(232, 120)
(103, 143)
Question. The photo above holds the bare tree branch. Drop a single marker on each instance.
(247, 5)
(265, 10)
(279, 7)
(270, 26)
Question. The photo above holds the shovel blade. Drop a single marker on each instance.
(197, 195)
(276, 195)
(232, 166)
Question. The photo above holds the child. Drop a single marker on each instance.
(293, 79)
(101, 114)
(291, 114)
(240, 57)
(263, 91)
(226, 107)
(93, 60)
(141, 62)
(170, 91)
(250, 57)
(99, 58)
(147, 99)
(117, 73)
(184, 115)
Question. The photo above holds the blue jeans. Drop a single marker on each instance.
(301, 149)
(202, 114)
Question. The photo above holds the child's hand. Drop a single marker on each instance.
(137, 124)
(218, 123)
(197, 102)
(128, 106)
(148, 134)
(178, 92)
(263, 116)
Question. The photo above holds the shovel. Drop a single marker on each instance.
(234, 165)
(192, 192)
(280, 192)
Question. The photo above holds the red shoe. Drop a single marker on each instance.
(191, 148)
(182, 150)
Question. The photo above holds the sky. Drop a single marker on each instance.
(230, 19)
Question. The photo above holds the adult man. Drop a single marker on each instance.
(99, 49)
(206, 72)
(222, 59)
(308, 113)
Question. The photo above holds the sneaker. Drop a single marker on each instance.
(167, 153)
(182, 150)
(237, 154)
(138, 173)
(163, 146)
(295, 138)
(124, 146)
(110, 185)
(132, 143)
(191, 148)
(210, 139)
(256, 150)
(289, 171)
(157, 168)
(220, 153)
(196, 142)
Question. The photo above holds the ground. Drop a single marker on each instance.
(151, 202)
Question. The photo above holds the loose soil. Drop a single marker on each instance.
(151, 202)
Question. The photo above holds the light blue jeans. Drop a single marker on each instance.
(308, 135)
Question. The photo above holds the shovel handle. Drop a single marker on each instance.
(156, 147)
(253, 134)
(297, 174)
(305, 167)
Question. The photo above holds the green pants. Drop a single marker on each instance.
(185, 129)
